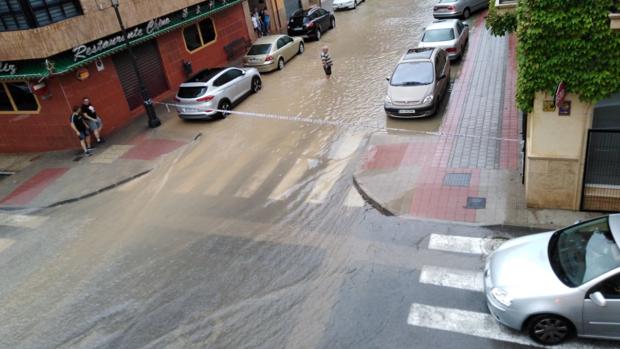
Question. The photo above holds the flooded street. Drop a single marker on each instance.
(254, 235)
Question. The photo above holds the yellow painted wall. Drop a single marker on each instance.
(555, 154)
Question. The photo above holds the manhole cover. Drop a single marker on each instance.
(476, 203)
(457, 179)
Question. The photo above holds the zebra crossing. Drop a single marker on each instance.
(280, 177)
(18, 221)
(465, 322)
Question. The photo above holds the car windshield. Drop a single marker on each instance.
(412, 74)
(191, 92)
(261, 49)
(435, 35)
(583, 252)
(446, 1)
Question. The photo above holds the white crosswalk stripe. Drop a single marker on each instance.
(325, 183)
(21, 221)
(463, 244)
(257, 178)
(455, 278)
(346, 146)
(224, 176)
(5, 243)
(288, 183)
(473, 324)
(353, 199)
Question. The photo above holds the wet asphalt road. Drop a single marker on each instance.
(253, 236)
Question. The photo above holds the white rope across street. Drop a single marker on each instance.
(342, 124)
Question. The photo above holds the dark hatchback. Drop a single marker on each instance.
(311, 23)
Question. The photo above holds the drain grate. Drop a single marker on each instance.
(457, 179)
(476, 203)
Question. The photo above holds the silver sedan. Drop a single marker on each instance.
(559, 284)
(451, 35)
(272, 52)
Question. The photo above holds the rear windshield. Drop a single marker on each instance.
(446, 1)
(299, 20)
(191, 92)
(412, 74)
(438, 35)
(261, 49)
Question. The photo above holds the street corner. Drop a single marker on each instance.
(24, 188)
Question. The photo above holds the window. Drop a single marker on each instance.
(610, 288)
(199, 35)
(16, 97)
(435, 35)
(25, 14)
(281, 42)
(440, 63)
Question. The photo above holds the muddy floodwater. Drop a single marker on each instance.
(365, 47)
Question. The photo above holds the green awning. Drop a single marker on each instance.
(66, 61)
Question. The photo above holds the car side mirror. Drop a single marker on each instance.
(598, 299)
(465, 24)
(243, 72)
(387, 78)
(442, 76)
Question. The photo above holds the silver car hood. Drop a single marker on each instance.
(409, 93)
(521, 267)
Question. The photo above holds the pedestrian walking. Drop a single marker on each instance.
(80, 127)
(92, 118)
(326, 59)
(264, 17)
(256, 23)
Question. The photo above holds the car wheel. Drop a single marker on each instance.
(549, 329)
(332, 23)
(280, 63)
(224, 106)
(318, 34)
(301, 48)
(466, 13)
(257, 84)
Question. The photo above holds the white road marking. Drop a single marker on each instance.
(21, 221)
(473, 324)
(354, 199)
(287, 184)
(463, 244)
(346, 146)
(228, 171)
(257, 179)
(5, 243)
(325, 182)
(455, 278)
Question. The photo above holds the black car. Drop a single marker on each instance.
(311, 23)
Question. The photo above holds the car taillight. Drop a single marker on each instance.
(451, 8)
(310, 25)
(451, 50)
(204, 99)
(269, 58)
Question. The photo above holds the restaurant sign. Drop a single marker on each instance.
(8, 68)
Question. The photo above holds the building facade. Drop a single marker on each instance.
(54, 53)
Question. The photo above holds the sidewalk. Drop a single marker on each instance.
(54, 178)
(470, 173)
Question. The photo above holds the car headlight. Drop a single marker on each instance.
(388, 100)
(428, 99)
(501, 296)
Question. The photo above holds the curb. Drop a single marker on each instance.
(374, 203)
(81, 197)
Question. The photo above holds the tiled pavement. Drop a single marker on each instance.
(57, 177)
(470, 173)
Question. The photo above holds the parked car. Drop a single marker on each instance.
(458, 8)
(272, 52)
(559, 284)
(348, 4)
(450, 34)
(215, 88)
(311, 23)
(418, 83)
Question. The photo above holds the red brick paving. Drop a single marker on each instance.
(385, 156)
(30, 189)
(151, 149)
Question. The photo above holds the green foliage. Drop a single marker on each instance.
(499, 25)
(570, 41)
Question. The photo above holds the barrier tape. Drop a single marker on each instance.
(333, 123)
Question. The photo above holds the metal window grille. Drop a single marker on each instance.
(25, 14)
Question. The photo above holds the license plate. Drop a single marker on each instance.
(183, 110)
(298, 28)
(407, 111)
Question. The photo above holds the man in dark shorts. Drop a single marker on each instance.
(92, 119)
(327, 61)
(79, 126)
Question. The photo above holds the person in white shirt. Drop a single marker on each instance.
(256, 23)
(326, 59)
